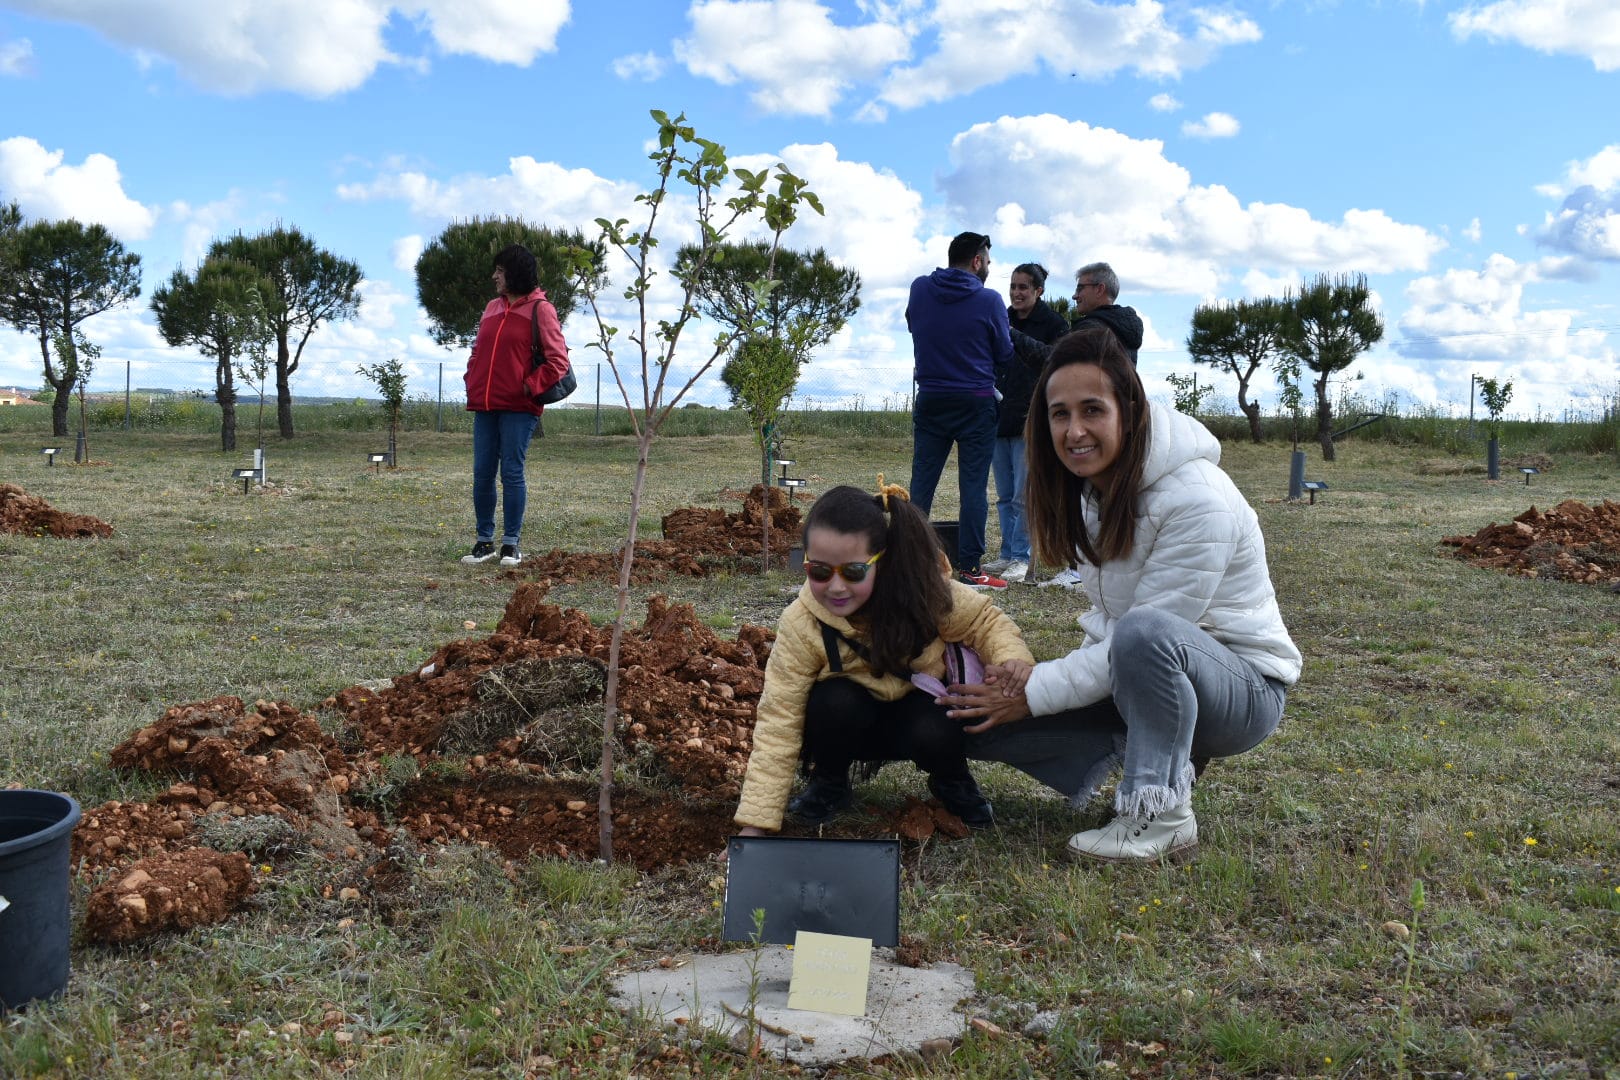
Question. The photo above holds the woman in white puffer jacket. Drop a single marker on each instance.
(1185, 653)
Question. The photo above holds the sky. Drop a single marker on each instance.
(1465, 157)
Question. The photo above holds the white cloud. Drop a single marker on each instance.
(799, 60)
(980, 44)
(1163, 103)
(1088, 193)
(639, 67)
(1473, 231)
(201, 225)
(16, 57)
(538, 191)
(1588, 222)
(1479, 317)
(405, 251)
(505, 31)
(314, 47)
(1589, 28)
(1215, 125)
(45, 187)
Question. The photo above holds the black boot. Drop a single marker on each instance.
(822, 798)
(962, 797)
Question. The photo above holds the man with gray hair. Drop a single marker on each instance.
(1096, 289)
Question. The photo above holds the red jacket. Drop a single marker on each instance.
(501, 354)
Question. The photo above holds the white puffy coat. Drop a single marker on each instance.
(1198, 553)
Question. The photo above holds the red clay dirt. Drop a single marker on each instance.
(29, 515)
(494, 741)
(1570, 542)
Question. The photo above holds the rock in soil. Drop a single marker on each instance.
(168, 892)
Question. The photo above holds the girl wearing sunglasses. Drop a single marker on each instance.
(878, 605)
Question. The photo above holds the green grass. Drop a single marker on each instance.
(1447, 716)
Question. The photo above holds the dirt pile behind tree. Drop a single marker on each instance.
(30, 515)
(696, 540)
(1570, 542)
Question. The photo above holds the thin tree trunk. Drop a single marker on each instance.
(1250, 409)
(610, 697)
(283, 391)
(1324, 418)
(225, 394)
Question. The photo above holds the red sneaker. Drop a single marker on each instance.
(978, 579)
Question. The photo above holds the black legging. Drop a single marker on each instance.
(844, 723)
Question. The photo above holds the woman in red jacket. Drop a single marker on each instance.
(504, 416)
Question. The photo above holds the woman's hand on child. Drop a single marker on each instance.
(985, 703)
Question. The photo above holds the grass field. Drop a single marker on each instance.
(1454, 726)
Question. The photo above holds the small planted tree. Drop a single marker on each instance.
(88, 354)
(389, 378)
(1496, 395)
(1327, 327)
(1185, 392)
(799, 299)
(1239, 339)
(682, 162)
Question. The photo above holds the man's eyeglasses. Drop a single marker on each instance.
(1086, 285)
(852, 572)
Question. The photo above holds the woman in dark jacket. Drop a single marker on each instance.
(504, 416)
(1030, 315)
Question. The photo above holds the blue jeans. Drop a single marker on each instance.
(968, 421)
(1010, 468)
(1178, 694)
(500, 444)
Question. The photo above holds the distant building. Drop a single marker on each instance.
(10, 395)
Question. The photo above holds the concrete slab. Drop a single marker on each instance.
(905, 1006)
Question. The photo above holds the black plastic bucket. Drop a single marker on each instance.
(35, 827)
(947, 533)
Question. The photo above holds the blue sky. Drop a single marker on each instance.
(1465, 156)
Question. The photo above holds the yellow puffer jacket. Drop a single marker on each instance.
(799, 660)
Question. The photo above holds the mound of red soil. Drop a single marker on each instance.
(1570, 542)
(30, 515)
(192, 888)
(696, 539)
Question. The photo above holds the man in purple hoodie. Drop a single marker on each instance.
(960, 341)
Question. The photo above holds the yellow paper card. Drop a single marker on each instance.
(830, 973)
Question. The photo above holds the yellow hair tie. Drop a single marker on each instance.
(885, 490)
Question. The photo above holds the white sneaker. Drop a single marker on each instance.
(995, 566)
(1016, 570)
(1068, 578)
(1172, 834)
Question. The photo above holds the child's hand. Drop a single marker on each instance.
(724, 854)
(1010, 675)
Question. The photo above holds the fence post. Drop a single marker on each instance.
(438, 420)
(126, 396)
(599, 399)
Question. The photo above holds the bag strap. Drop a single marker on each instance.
(536, 352)
(830, 637)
